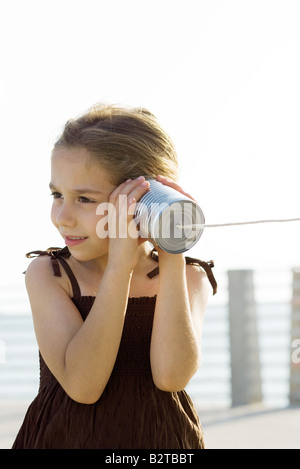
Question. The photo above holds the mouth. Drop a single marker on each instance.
(74, 240)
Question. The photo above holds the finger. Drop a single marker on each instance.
(170, 183)
(132, 189)
(132, 184)
(136, 188)
(189, 196)
(140, 190)
(116, 192)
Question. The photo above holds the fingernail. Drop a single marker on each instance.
(140, 178)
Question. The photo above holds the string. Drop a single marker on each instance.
(201, 225)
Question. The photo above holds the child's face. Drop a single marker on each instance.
(79, 184)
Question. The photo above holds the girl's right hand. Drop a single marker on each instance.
(122, 231)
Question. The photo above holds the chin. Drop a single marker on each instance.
(86, 255)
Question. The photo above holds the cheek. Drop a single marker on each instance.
(53, 215)
(101, 220)
(89, 221)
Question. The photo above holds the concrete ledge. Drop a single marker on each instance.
(252, 427)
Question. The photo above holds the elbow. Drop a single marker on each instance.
(173, 382)
(87, 400)
(168, 387)
(176, 380)
(170, 384)
(81, 388)
(83, 395)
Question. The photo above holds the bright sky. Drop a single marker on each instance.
(222, 77)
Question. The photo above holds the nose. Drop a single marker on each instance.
(63, 215)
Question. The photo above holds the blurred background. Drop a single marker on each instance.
(223, 79)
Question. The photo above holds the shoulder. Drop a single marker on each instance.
(39, 276)
(205, 269)
(39, 268)
(197, 279)
(199, 289)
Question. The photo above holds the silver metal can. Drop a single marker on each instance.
(169, 219)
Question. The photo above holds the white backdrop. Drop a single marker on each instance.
(222, 77)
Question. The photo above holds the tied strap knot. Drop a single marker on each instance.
(206, 266)
(53, 253)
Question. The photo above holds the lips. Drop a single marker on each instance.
(74, 240)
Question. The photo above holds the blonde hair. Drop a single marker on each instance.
(128, 142)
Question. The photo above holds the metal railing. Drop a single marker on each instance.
(249, 348)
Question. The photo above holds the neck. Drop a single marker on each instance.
(99, 264)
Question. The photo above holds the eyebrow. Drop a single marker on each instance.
(79, 190)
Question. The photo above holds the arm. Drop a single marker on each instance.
(176, 338)
(80, 354)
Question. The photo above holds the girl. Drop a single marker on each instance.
(118, 339)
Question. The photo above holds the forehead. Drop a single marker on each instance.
(75, 166)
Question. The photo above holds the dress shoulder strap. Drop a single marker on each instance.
(207, 266)
(58, 256)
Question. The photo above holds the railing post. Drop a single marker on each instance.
(244, 348)
(295, 341)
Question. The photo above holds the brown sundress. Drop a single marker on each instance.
(132, 413)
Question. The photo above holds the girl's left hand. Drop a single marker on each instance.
(169, 182)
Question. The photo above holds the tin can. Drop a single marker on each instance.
(169, 219)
